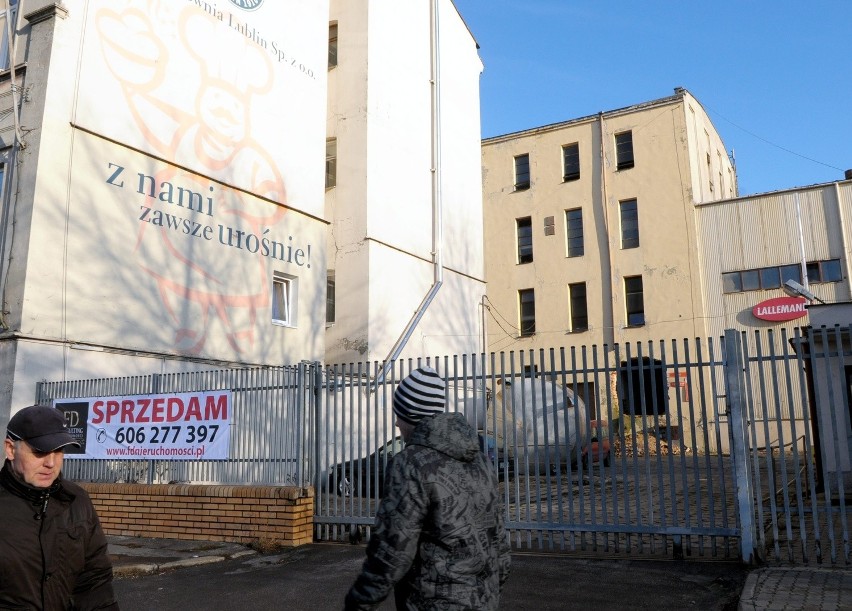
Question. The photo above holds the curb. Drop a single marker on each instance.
(797, 588)
(125, 570)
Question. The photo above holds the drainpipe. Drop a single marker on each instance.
(437, 226)
(484, 328)
(804, 262)
(844, 242)
(19, 144)
(608, 310)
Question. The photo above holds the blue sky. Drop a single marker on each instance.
(775, 76)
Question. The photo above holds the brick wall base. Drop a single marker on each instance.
(239, 514)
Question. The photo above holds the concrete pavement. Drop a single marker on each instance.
(216, 575)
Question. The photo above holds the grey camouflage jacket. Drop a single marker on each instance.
(439, 539)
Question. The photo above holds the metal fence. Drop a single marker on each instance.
(270, 427)
(736, 447)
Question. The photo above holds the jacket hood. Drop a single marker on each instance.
(449, 434)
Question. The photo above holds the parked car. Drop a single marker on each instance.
(543, 421)
(597, 449)
(364, 476)
(496, 455)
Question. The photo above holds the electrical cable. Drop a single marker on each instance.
(762, 139)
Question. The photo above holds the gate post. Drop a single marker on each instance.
(743, 483)
(310, 383)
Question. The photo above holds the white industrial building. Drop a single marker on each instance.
(166, 198)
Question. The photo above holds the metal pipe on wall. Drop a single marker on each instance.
(606, 278)
(11, 35)
(844, 242)
(437, 215)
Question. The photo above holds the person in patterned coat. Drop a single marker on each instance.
(439, 541)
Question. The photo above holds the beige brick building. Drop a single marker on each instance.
(626, 228)
(590, 231)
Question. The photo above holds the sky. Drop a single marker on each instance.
(775, 76)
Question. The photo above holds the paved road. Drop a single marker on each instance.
(316, 577)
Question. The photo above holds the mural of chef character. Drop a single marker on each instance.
(192, 84)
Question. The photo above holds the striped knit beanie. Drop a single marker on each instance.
(419, 395)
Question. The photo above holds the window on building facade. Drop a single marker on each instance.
(824, 271)
(791, 272)
(530, 371)
(522, 172)
(721, 181)
(284, 296)
(329, 298)
(526, 311)
(332, 45)
(525, 246)
(10, 15)
(579, 313)
(634, 301)
(774, 276)
(629, 223)
(709, 171)
(330, 163)
(574, 231)
(770, 278)
(571, 162)
(751, 279)
(624, 150)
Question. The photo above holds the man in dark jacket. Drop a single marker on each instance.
(53, 552)
(439, 539)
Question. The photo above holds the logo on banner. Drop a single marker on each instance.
(76, 417)
(247, 5)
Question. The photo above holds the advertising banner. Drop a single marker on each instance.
(180, 426)
(235, 91)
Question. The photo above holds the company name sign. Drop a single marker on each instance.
(781, 309)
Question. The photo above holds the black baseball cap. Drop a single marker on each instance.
(42, 427)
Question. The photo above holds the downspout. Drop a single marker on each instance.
(11, 33)
(804, 262)
(484, 328)
(609, 335)
(437, 226)
(19, 144)
(844, 241)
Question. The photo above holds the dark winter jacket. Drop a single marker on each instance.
(439, 539)
(53, 553)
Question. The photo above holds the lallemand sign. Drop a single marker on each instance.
(781, 309)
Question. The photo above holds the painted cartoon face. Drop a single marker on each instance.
(223, 116)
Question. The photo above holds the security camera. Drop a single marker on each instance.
(794, 289)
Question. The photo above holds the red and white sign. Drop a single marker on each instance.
(180, 426)
(781, 309)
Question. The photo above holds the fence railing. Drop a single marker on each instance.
(720, 447)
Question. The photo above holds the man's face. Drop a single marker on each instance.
(38, 469)
(405, 429)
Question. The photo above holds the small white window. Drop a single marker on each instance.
(284, 299)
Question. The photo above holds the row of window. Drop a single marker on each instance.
(747, 280)
(285, 291)
(578, 312)
(628, 215)
(774, 277)
(571, 160)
